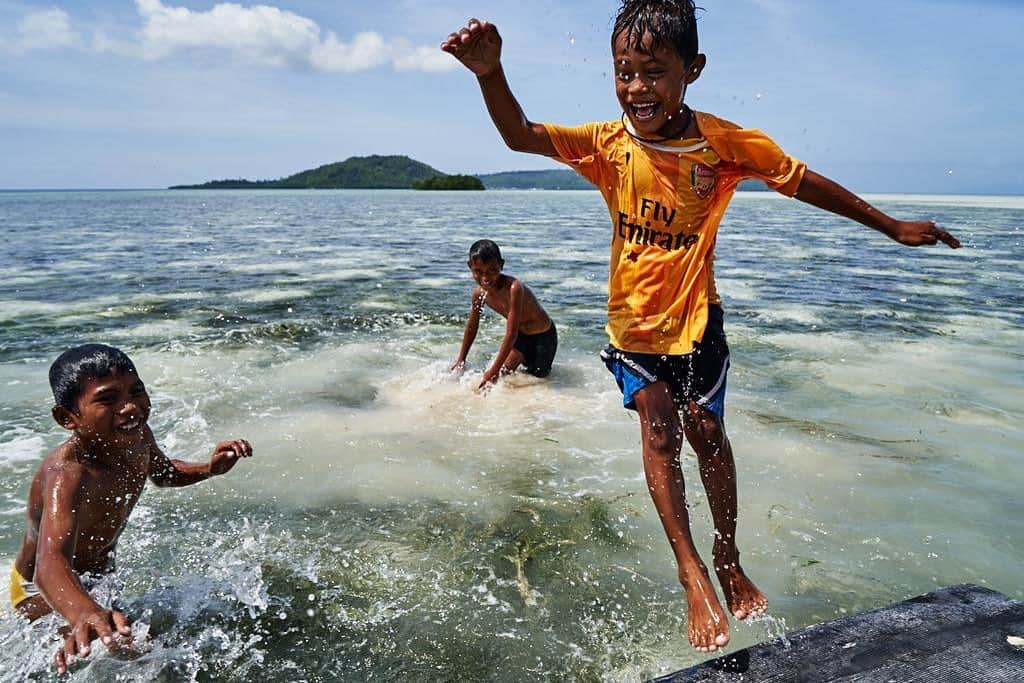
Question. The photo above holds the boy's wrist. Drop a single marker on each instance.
(888, 225)
(496, 70)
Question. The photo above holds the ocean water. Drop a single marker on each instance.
(396, 524)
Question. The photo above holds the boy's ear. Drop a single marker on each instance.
(65, 418)
(694, 69)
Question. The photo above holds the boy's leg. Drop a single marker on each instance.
(662, 436)
(706, 434)
(512, 361)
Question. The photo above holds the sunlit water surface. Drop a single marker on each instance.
(395, 524)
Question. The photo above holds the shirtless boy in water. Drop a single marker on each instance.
(85, 490)
(530, 337)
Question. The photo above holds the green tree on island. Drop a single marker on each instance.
(449, 182)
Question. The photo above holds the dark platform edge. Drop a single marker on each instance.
(958, 633)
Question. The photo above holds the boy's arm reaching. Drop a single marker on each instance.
(823, 193)
(515, 314)
(54, 573)
(478, 47)
(166, 472)
(472, 325)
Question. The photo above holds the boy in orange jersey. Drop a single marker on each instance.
(667, 173)
(530, 337)
(84, 491)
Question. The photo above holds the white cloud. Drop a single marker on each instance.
(366, 51)
(44, 30)
(423, 58)
(268, 35)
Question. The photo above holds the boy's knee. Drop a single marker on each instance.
(702, 424)
(664, 438)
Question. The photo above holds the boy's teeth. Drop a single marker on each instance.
(644, 111)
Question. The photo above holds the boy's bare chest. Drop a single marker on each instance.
(498, 302)
(107, 501)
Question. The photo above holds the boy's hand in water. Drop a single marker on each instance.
(458, 366)
(490, 377)
(477, 46)
(227, 453)
(920, 233)
(103, 624)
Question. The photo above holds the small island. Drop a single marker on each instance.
(374, 172)
(449, 182)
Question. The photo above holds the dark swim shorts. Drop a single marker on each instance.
(698, 376)
(538, 351)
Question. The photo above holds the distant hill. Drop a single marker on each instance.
(562, 179)
(372, 172)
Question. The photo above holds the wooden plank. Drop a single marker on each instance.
(953, 635)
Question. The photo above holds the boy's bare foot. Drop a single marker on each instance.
(708, 625)
(745, 600)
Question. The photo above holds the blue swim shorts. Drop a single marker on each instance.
(698, 376)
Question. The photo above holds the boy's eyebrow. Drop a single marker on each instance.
(646, 58)
(104, 390)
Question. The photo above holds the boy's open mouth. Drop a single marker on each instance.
(644, 111)
(130, 425)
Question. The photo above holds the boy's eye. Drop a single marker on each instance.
(625, 76)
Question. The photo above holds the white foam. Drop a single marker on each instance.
(264, 295)
(21, 445)
(434, 282)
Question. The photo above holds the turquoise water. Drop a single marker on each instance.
(396, 524)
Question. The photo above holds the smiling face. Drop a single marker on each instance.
(650, 83)
(110, 410)
(487, 273)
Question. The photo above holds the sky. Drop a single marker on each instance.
(898, 96)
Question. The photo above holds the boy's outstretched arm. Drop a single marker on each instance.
(819, 191)
(166, 472)
(478, 47)
(515, 314)
(472, 325)
(55, 575)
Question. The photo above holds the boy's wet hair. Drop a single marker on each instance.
(89, 361)
(670, 23)
(484, 250)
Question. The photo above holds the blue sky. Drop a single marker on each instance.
(898, 96)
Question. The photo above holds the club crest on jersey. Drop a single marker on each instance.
(703, 179)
